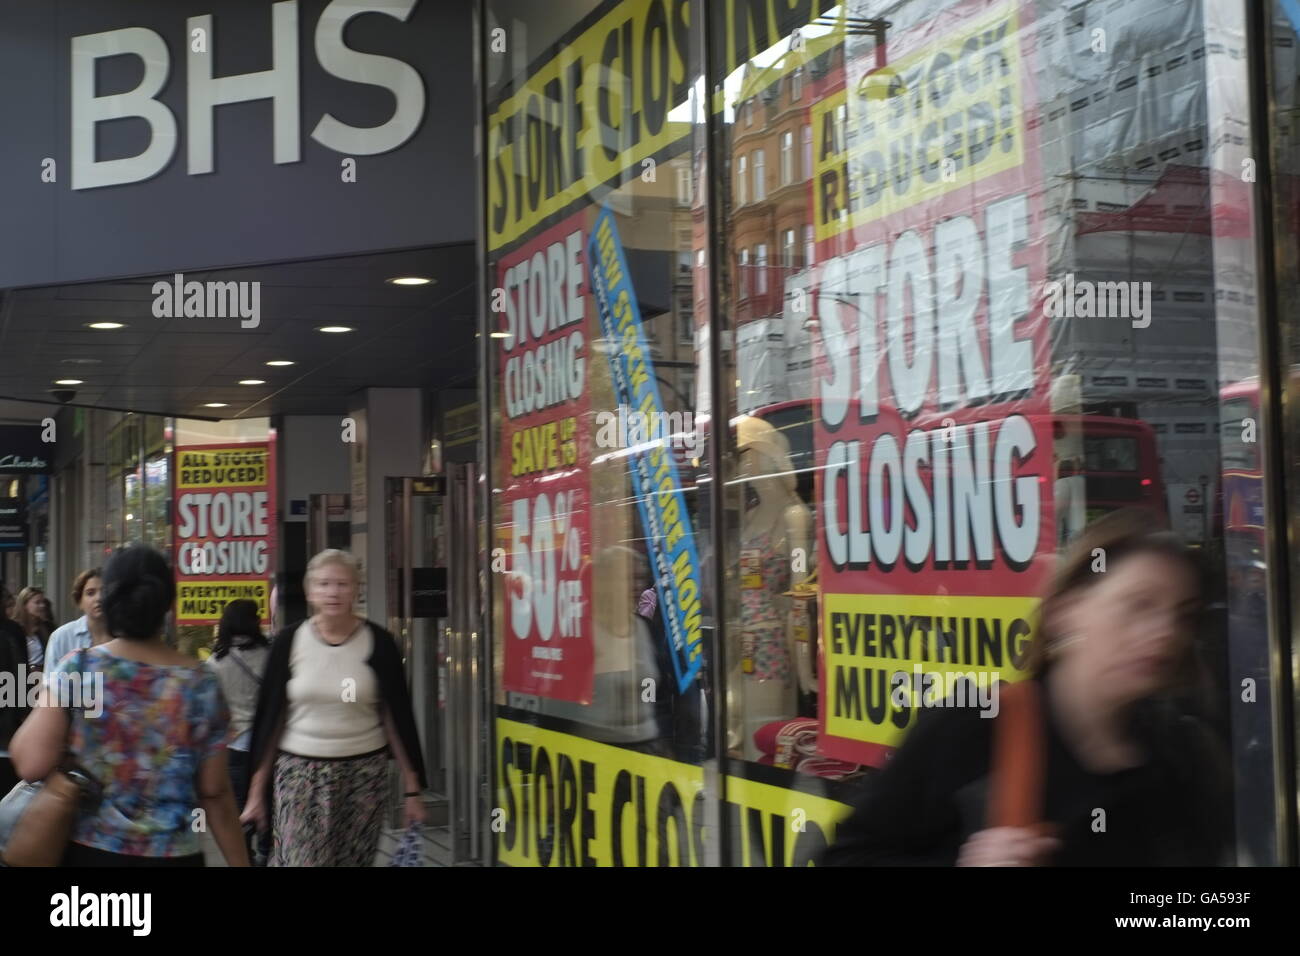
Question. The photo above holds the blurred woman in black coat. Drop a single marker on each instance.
(1126, 778)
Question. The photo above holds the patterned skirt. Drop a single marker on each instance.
(329, 812)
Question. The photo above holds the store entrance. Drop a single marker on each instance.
(432, 578)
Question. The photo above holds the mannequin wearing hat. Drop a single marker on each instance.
(776, 524)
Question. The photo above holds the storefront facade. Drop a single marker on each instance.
(958, 277)
(288, 177)
(808, 336)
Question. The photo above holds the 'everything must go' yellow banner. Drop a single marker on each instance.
(869, 640)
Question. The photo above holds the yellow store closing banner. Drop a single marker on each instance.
(566, 801)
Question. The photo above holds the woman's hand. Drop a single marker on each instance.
(414, 810)
(1007, 846)
(255, 812)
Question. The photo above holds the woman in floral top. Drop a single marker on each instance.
(152, 731)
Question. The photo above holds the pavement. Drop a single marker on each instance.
(435, 846)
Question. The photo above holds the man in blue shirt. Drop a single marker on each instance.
(87, 630)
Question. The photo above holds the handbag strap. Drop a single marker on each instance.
(68, 755)
(243, 665)
(1019, 757)
(88, 786)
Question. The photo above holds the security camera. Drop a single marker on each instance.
(64, 395)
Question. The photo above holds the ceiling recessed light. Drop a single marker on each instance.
(334, 328)
(68, 381)
(411, 280)
(251, 381)
(105, 325)
(499, 335)
(279, 363)
(214, 404)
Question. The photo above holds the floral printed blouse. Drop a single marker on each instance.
(145, 731)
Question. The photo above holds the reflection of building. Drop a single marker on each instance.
(771, 159)
(660, 243)
(1124, 148)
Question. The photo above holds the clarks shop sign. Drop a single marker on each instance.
(23, 453)
(194, 134)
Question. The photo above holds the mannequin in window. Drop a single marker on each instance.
(770, 665)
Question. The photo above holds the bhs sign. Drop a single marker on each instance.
(205, 92)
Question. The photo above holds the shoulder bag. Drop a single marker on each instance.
(37, 819)
(1019, 759)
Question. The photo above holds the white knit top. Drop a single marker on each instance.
(333, 697)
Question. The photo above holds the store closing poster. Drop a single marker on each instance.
(224, 538)
(933, 435)
(545, 504)
(553, 146)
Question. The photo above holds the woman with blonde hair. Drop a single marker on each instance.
(332, 710)
(32, 614)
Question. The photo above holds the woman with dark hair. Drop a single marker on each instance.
(150, 728)
(10, 631)
(240, 629)
(13, 671)
(239, 660)
(1114, 646)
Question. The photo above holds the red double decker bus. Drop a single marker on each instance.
(1239, 511)
(1115, 460)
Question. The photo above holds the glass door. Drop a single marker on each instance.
(433, 595)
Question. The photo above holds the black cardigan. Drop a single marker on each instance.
(385, 660)
(1173, 811)
(13, 661)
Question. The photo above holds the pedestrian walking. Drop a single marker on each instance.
(13, 670)
(333, 709)
(88, 630)
(239, 659)
(1096, 725)
(32, 614)
(150, 728)
(11, 632)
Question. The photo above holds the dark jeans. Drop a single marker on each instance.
(238, 761)
(240, 773)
